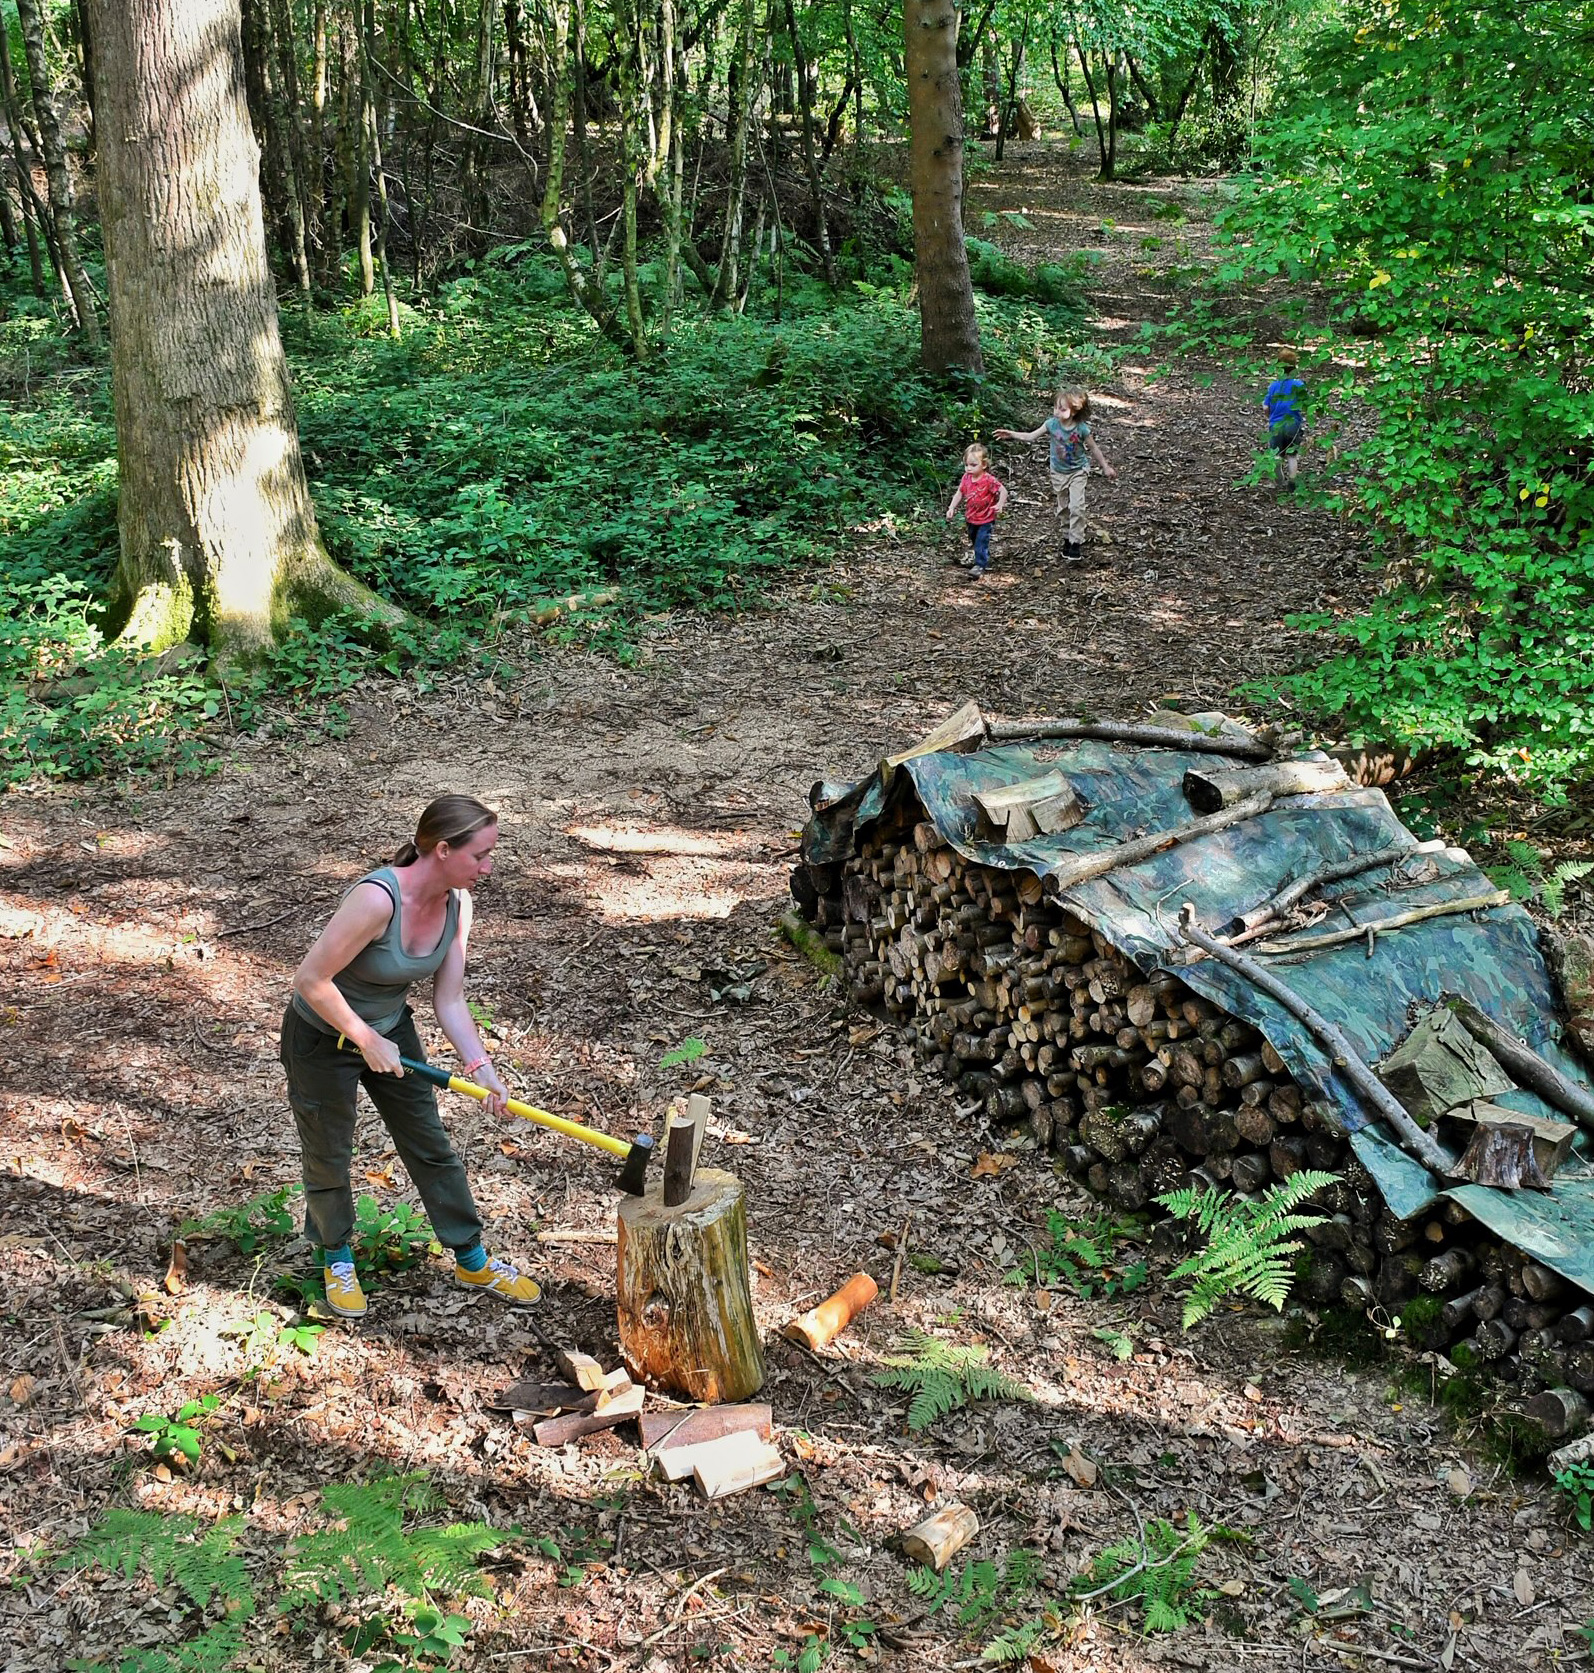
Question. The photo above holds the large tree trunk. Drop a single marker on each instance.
(950, 333)
(55, 170)
(218, 534)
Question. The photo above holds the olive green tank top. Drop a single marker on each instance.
(376, 981)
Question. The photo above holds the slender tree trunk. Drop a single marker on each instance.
(286, 90)
(218, 534)
(578, 53)
(1060, 76)
(374, 144)
(20, 166)
(950, 334)
(86, 56)
(56, 174)
(743, 95)
(1109, 167)
(854, 73)
(587, 296)
(8, 222)
(1153, 103)
(1184, 100)
(630, 49)
(478, 157)
(805, 103)
(1103, 130)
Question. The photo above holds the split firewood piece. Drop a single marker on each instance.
(543, 1398)
(1503, 1154)
(698, 1109)
(961, 729)
(1534, 1071)
(1208, 789)
(685, 1299)
(734, 1463)
(679, 1148)
(671, 1432)
(1439, 1065)
(556, 1431)
(677, 1455)
(824, 1323)
(938, 1539)
(1045, 803)
(1559, 1412)
(583, 1370)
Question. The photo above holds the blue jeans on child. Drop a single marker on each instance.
(980, 538)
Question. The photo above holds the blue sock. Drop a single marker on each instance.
(330, 1257)
(472, 1259)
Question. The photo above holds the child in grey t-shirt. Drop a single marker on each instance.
(1072, 448)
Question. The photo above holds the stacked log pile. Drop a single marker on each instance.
(1140, 1086)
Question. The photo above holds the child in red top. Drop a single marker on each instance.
(983, 499)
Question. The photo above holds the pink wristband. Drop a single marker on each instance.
(471, 1068)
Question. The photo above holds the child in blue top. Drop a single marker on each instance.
(1285, 397)
(1071, 448)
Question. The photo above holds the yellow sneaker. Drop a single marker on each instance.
(344, 1295)
(499, 1278)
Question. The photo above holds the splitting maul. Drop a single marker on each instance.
(634, 1156)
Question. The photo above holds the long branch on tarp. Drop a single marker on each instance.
(1342, 1053)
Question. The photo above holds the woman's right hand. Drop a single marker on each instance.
(382, 1056)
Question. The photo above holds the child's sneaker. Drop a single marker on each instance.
(499, 1278)
(344, 1295)
(976, 573)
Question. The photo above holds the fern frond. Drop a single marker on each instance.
(944, 1376)
(124, 1538)
(1014, 1644)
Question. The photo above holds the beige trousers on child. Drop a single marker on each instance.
(1071, 485)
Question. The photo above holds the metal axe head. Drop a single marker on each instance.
(634, 1170)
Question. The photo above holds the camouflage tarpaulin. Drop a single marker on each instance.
(1490, 956)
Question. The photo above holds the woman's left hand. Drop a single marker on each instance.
(487, 1076)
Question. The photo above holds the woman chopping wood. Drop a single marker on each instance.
(348, 1024)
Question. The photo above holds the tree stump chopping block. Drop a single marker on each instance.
(686, 1308)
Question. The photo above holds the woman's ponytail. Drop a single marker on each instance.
(449, 819)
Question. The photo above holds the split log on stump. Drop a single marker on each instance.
(824, 1323)
(685, 1303)
(1208, 789)
(938, 1539)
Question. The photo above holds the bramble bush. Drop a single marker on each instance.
(1432, 173)
(501, 455)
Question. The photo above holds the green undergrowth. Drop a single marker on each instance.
(498, 458)
(379, 1562)
(1422, 231)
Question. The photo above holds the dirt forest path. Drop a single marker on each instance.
(147, 936)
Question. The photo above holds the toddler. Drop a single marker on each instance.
(1283, 402)
(983, 499)
(1072, 447)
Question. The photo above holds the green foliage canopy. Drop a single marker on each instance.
(1434, 170)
